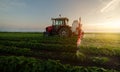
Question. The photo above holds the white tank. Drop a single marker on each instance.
(75, 24)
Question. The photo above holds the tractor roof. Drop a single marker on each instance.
(61, 18)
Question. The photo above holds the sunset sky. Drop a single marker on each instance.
(35, 15)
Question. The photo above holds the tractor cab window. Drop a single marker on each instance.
(59, 22)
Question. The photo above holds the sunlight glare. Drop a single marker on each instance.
(112, 25)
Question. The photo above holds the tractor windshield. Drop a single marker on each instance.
(60, 22)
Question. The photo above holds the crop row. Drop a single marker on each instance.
(40, 46)
(45, 41)
(83, 56)
(93, 50)
(89, 50)
(37, 38)
(15, 50)
(7, 50)
(62, 56)
(23, 64)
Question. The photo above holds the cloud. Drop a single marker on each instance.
(111, 5)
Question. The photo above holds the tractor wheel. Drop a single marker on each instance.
(64, 32)
(46, 34)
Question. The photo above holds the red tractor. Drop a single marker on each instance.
(60, 27)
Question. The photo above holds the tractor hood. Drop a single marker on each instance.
(49, 28)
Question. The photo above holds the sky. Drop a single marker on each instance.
(35, 15)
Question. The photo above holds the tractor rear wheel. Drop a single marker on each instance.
(64, 32)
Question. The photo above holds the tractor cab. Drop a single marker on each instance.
(59, 21)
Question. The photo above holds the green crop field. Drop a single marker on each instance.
(33, 52)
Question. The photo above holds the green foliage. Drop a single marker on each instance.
(106, 51)
(40, 46)
(80, 55)
(14, 50)
(22, 64)
(100, 60)
(95, 48)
